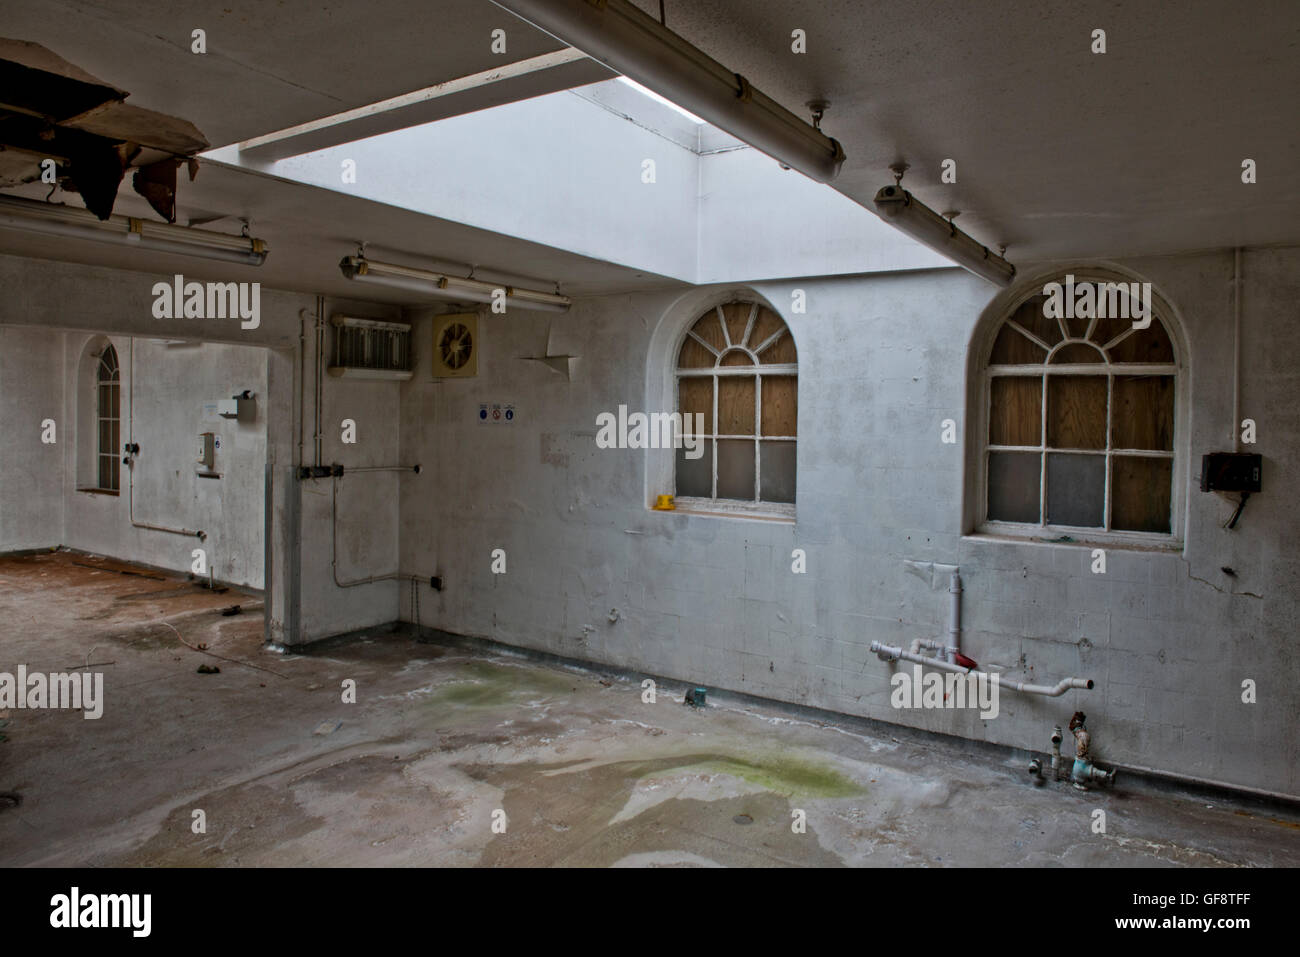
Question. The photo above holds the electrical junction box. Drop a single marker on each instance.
(1231, 472)
(236, 407)
(207, 450)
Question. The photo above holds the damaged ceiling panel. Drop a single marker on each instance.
(52, 109)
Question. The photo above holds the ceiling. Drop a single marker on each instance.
(1061, 153)
(272, 65)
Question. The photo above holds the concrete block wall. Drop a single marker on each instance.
(1166, 635)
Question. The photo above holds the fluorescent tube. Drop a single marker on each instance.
(441, 286)
(905, 212)
(60, 220)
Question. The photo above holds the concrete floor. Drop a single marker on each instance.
(441, 738)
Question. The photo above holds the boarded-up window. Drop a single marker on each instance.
(738, 368)
(1081, 420)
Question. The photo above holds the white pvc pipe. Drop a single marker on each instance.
(1051, 691)
(1236, 349)
(954, 615)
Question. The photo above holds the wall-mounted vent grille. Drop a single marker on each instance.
(370, 349)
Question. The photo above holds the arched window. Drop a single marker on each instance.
(107, 419)
(1081, 423)
(738, 368)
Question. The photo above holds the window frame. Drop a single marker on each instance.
(731, 507)
(114, 384)
(986, 372)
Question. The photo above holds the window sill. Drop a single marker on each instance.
(999, 537)
(100, 491)
(780, 514)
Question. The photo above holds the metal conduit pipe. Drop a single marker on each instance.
(320, 371)
(334, 550)
(888, 652)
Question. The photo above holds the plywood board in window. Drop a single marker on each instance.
(1140, 493)
(1076, 412)
(736, 405)
(1142, 413)
(780, 405)
(695, 395)
(1015, 413)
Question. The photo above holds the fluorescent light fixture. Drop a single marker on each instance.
(635, 44)
(905, 212)
(440, 286)
(58, 220)
(659, 99)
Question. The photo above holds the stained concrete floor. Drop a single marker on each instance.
(441, 740)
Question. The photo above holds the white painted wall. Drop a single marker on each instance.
(883, 362)
(1167, 637)
(31, 390)
(163, 395)
(43, 315)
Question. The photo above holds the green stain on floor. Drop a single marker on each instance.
(484, 684)
(781, 774)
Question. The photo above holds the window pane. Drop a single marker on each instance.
(1012, 348)
(736, 357)
(736, 406)
(695, 394)
(737, 315)
(765, 325)
(1145, 345)
(1013, 486)
(736, 469)
(709, 328)
(1076, 490)
(1076, 412)
(1015, 413)
(780, 352)
(1141, 490)
(106, 443)
(777, 470)
(695, 356)
(115, 396)
(780, 405)
(1030, 316)
(695, 476)
(1143, 413)
(1077, 352)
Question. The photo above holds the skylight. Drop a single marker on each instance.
(656, 97)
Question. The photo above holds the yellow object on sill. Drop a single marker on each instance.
(664, 503)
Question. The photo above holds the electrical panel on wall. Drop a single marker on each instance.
(455, 345)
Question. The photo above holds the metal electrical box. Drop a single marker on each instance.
(1231, 472)
(236, 407)
(207, 450)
